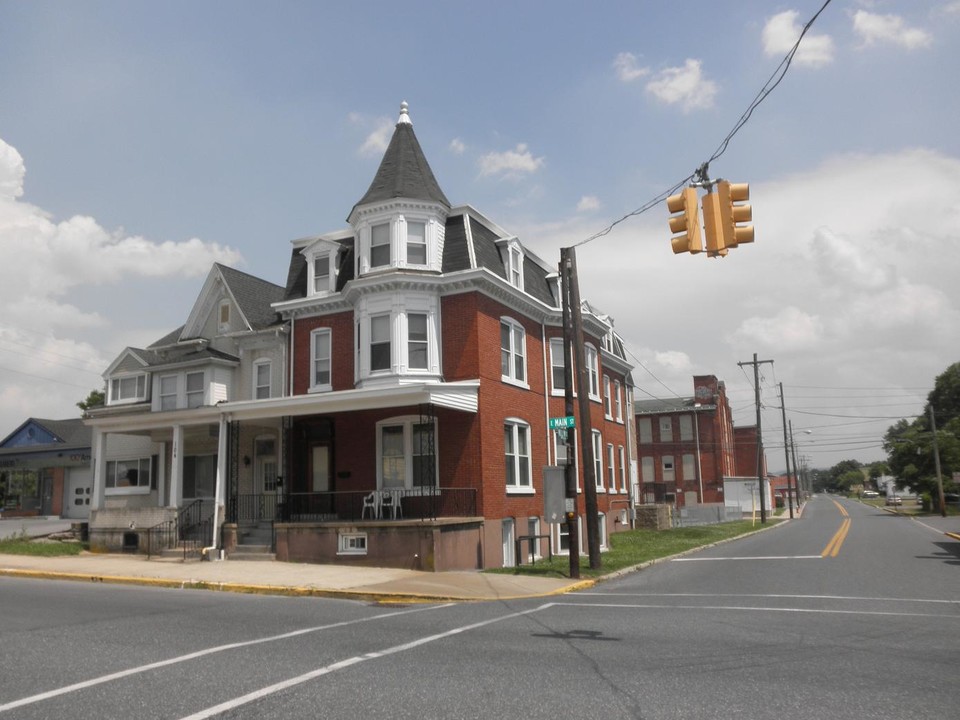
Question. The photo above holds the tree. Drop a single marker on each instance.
(96, 398)
(909, 445)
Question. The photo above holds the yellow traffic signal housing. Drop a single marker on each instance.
(713, 226)
(685, 223)
(731, 213)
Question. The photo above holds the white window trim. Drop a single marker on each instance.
(138, 490)
(517, 489)
(349, 543)
(187, 392)
(511, 378)
(618, 401)
(312, 276)
(560, 392)
(137, 377)
(598, 461)
(175, 395)
(560, 528)
(611, 468)
(607, 399)
(407, 422)
(255, 378)
(391, 258)
(314, 386)
(397, 306)
(592, 361)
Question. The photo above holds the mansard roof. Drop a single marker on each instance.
(404, 171)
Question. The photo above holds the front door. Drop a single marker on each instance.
(321, 484)
(265, 477)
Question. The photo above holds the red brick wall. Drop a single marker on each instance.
(343, 343)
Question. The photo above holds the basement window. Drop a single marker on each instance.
(352, 544)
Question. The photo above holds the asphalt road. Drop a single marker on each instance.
(776, 625)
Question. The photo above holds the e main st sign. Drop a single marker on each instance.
(562, 423)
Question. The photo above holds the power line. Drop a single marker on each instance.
(701, 172)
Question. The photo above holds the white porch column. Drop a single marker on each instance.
(176, 467)
(221, 484)
(99, 461)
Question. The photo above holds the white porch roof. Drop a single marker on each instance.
(462, 395)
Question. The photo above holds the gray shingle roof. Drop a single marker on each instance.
(404, 172)
(72, 433)
(254, 296)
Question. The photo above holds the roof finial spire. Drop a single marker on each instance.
(404, 115)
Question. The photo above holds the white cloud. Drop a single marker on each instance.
(377, 141)
(876, 29)
(780, 35)
(12, 172)
(627, 68)
(789, 329)
(510, 163)
(685, 86)
(457, 147)
(45, 268)
(588, 203)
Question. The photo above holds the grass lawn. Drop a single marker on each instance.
(39, 548)
(633, 547)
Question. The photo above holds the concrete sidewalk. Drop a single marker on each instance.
(281, 578)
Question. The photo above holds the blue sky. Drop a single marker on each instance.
(139, 142)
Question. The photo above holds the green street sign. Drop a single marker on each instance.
(562, 423)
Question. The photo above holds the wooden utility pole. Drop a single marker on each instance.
(569, 259)
(570, 471)
(796, 471)
(786, 450)
(756, 386)
(936, 461)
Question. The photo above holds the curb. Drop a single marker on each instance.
(379, 596)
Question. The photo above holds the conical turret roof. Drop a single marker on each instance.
(404, 171)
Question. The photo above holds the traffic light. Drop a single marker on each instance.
(731, 213)
(713, 226)
(685, 223)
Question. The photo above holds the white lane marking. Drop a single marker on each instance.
(735, 608)
(326, 670)
(756, 557)
(854, 598)
(201, 653)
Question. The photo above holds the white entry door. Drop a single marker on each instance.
(76, 501)
(509, 555)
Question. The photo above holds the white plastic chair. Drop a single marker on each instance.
(371, 502)
(390, 501)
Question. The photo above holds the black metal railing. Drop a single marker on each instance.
(190, 530)
(366, 505)
(252, 507)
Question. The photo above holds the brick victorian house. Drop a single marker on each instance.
(388, 406)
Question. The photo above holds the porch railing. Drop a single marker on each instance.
(252, 507)
(190, 530)
(367, 505)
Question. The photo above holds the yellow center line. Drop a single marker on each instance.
(833, 547)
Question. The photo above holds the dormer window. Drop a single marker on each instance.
(321, 274)
(512, 253)
(380, 245)
(321, 258)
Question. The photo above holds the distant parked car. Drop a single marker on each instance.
(870, 494)
(894, 500)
